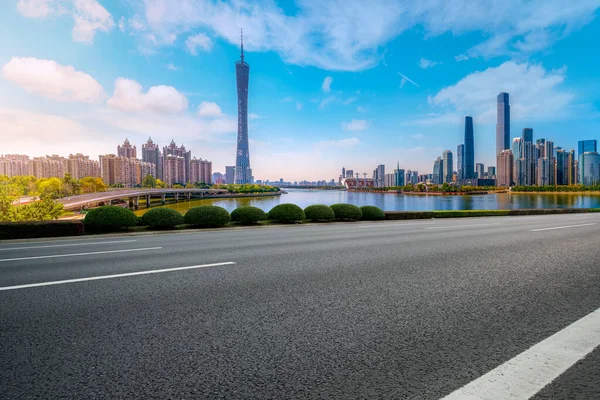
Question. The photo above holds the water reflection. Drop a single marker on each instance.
(399, 202)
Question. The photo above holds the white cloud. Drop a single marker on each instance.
(361, 109)
(122, 22)
(344, 143)
(350, 100)
(326, 101)
(424, 63)
(36, 8)
(51, 80)
(355, 125)
(172, 67)
(326, 86)
(318, 34)
(198, 42)
(209, 109)
(534, 93)
(128, 96)
(89, 16)
(254, 116)
(299, 106)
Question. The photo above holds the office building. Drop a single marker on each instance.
(527, 135)
(379, 176)
(480, 170)
(502, 129)
(242, 161)
(590, 168)
(585, 146)
(543, 171)
(349, 173)
(460, 159)
(448, 166)
(469, 150)
(400, 181)
(505, 168)
(491, 172)
(438, 172)
(230, 174)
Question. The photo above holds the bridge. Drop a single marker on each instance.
(132, 196)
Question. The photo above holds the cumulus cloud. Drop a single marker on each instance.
(198, 42)
(326, 86)
(209, 109)
(534, 93)
(89, 16)
(129, 96)
(318, 35)
(51, 80)
(355, 125)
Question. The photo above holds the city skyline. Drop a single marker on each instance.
(138, 70)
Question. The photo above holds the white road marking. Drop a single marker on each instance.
(66, 245)
(461, 226)
(392, 225)
(78, 254)
(562, 227)
(529, 372)
(95, 278)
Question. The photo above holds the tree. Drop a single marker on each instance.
(89, 184)
(149, 181)
(50, 187)
(160, 184)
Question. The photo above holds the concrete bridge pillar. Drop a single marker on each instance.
(163, 198)
(136, 202)
(188, 196)
(130, 201)
(147, 201)
(176, 197)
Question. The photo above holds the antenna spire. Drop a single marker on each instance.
(242, 37)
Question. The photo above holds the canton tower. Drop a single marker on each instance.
(243, 173)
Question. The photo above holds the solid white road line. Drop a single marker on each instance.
(95, 278)
(461, 226)
(66, 245)
(78, 254)
(529, 372)
(562, 227)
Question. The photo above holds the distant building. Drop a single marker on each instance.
(52, 166)
(243, 174)
(218, 178)
(151, 153)
(505, 168)
(460, 159)
(201, 171)
(379, 176)
(438, 172)
(127, 150)
(585, 146)
(480, 171)
(80, 166)
(448, 166)
(590, 168)
(491, 172)
(177, 164)
(14, 165)
(349, 173)
(468, 151)
(390, 180)
(543, 171)
(230, 174)
(125, 171)
(502, 133)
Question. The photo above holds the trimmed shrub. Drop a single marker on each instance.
(28, 230)
(248, 215)
(207, 216)
(397, 215)
(319, 212)
(162, 218)
(286, 213)
(347, 212)
(372, 213)
(108, 219)
(469, 213)
(140, 220)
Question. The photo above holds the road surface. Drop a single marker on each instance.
(477, 308)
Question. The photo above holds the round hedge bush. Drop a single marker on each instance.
(319, 212)
(207, 216)
(286, 213)
(162, 218)
(248, 215)
(109, 218)
(346, 212)
(372, 213)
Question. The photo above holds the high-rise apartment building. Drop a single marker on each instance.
(80, 166)
(460, 159)
(127, 150)
(469, 151)
(201, 171)
(242, 161)
(151, 153)
(14, 165)
(176, 164)
(52, 166)
(448, 166)
(125, 171)
(505, 168)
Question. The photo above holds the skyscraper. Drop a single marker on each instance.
(379, 176)
(503, 123)
(469, 151)
(590, 171)
(549, 153)
(438, 171)
(460, 159)
(242, 160)
(480, 170)
(527, 135)
(448, 166)
(585, 146)
(529, 154)
(151, 153)
(505, 168)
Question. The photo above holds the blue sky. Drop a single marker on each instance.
(332, 84)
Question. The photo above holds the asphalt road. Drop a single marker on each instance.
(414, 309)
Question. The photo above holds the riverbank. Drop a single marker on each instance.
(479, 192)
(580, 193)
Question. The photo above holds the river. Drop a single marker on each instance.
(399, 202)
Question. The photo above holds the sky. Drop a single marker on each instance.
(337, 83)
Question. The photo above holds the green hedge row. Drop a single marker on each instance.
(29, 230)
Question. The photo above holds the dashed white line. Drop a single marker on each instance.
(78, 254)
(96, 278)
(562, 227)
(66, 245)
(529, 372)
(461, 226)
(392, 225)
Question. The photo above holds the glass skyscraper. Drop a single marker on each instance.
(503, 123)
(585, 146)
(460, 159)
(448, 166)
(469, 150)
(243, 173)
